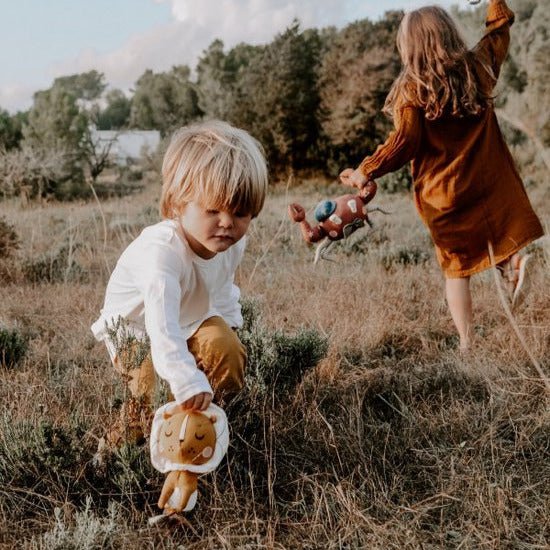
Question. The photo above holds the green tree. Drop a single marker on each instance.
(116, 114)
(11, 129)
(164, 101)
(56, 122)
(85, 86)
(60, 121)
(218, 75)
(278, 97)
(355, 75)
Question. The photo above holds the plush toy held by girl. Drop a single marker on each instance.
(337, 218)
(467, 189)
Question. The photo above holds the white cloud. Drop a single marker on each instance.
(194, 28)
(16, 97)
(256, 19)
(158, 49)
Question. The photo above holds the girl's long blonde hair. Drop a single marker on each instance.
(439, 73)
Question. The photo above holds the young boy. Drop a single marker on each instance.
(174, 282)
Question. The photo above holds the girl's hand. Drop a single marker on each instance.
(353, 178)
(296, 212)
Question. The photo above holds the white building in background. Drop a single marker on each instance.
(126, 145)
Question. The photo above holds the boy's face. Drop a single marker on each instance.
(211, 231)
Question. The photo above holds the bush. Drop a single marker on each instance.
(404, 255)
(71, 190)
(277, 361)
(13, 347)
(9, 240)
(55, 460)
(43, 457)
(396, 182)
(54, 267)
(32, 171)
(87, 531)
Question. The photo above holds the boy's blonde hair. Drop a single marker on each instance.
(439, 74)
(212, 162)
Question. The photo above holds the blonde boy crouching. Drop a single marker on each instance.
(175, 282)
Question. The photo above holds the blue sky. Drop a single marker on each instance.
(43, 39)
(43, 31)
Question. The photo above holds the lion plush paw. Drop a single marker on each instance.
(179, 492)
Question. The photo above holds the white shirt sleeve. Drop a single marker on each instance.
(227, 298)
(160, 284)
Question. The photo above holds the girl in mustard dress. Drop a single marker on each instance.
(467, 189)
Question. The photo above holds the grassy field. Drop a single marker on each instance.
(361, 425)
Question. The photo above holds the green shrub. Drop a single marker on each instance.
(71, 190)
(396, 182)
(129, 474)
(119, 188)
(13, 347)
(131, 349)
(55, 461)
(42, 456)
(9, 240)
(86, 531)
(277, 361)
(59, 266)
(404, 255)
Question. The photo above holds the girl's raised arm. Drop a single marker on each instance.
(493, 47)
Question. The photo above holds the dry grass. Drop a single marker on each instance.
(392, 441)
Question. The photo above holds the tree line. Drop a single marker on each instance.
(312, 97)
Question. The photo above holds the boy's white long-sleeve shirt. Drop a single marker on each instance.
(161, 288)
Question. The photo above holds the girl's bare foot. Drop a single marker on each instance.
(523, 282)
(516, 275)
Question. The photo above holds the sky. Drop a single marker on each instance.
(44, 39)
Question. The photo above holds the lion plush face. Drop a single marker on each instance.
(188, 437)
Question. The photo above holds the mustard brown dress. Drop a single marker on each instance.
(467, 189)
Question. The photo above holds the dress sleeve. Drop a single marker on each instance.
(493, 47)
(400, 147)
(162, 291)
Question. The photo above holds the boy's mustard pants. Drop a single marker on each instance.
(219, 354)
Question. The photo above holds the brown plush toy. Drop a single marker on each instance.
(185, 444)
(337, 218)
(187, 438)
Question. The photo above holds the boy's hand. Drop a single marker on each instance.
(353, 178)
(199, 402)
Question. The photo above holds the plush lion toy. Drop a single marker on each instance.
(185, 444)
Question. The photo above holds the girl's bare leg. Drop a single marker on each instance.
(459, 300)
